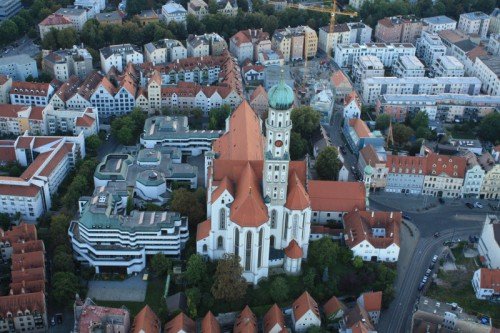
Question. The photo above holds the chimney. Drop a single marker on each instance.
(373, 214)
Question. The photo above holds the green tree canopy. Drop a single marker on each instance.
(189, 204)
(323, 254)
(420, 120)
(59, 230)
(401, 134)
(63, 262)
(305, 121)
(298, 146)
(279, 290)
(92, 143)
(328, 164)
(64, 288)
(489, 128)
(382, 122)
(160, 264)
(196, 270)
(217, 117)
(229, 285)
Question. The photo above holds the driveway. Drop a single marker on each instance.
(132, 289)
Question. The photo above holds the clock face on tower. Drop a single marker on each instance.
(278, 143)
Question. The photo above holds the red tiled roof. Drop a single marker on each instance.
(24, 142)
(249, 35)
(55, 19)
(246, 322)
(7, 151)
(19, 191)
(358, 227)
(297, 198)
(27, 287)
(35, 165)
(407, 164)
(56, 159)
(274, 318)
(69, 88)
(30, 274)
(490, 279)
(30, 88)
(3, 79)
(338, 79)
(13, 303)
(181, 323)
(370, 155)
(303, 304)
(146, 321)
(209, 324)
(359, 127)
(293, 250)
(332, 306)
(336, 196)
(85, 121)
(372, 301)
(27, 260)
(19, 234)
(258, 92)
(27, 246)
(453, 166)
(224, 185)
(203, 229)
(10, 111)
(353, 96)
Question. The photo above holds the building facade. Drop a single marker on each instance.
(347, 55)
(474, 23)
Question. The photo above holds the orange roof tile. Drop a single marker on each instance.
(453, 166)
(358, 227)
(359, 127)
(246, 322)
(338, 79)
(27, 260)
(19, 191)
(372, 301)
(13, 303)
(370, 155)
(297, 198)
(24, 142)
(358, 320)
(209, 324)
(56, 19)
(303, 304)
(37, 113)
(56, 159)
(30, 88)
(258, 92)
(181, 323)
(353, 96)
(27, 246)
(30, 274)
(336, 196)
(85, 121)
(146, 321)
(293, 250)
(407, 164)
(69, 88)
(333, 305)
(490, 279)
(27, 287)
(224, 185)
(3, 79)
(10, 111)
(7, 151)
(274, 317)
(203, 229)
(20, 234)
(35, 165)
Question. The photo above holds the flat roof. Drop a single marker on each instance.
(493, 63)
(438, 20)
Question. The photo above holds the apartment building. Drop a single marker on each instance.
(490, 189)
(494, 44)
(450, 37)
(352, 106)
(198, 8)
(475, 23)
(271, 58)
(408, 66)
(259, 100)
(398, 29)
(62, 64)
(9, 8)
(341, 86)
(173, 12)
(494, 27)
(31, 93)
(5, 85)
(129, 238)
(18, 67)
(345, 34)
(201, 70)
(147, 16)
(486, 284)
(77, 16)
(367, 66)
(438, 23)
(246, 44)
(203, 45)
(347, 55)
(227, 7)
(373, 88)
(119, 56)
(296, 43)
(72, 121)
(93, 6)
(376, 157)
(54, 22)
(466, 52)
(447, 66)
(474, 176)
(489, 242)
(487, 69)
(164, 51)
(451, 106)
(429, 48)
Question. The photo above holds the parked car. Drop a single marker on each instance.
(406, 216)
(469, 205)
(478, 205)
(441, 201)
(424, 279)
(421, 286)
(431, 266)
(52, 321)
(428, 272)
(435, 258)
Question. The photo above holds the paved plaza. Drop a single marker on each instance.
(132, 289)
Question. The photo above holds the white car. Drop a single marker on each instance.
(478, 205)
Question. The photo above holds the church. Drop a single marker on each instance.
(258, 204)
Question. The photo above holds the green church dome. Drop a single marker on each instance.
(368, 170)
(281, 96)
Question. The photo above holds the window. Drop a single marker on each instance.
(295, 226)
(285, 227)
(248, 251)
(236, 242)
(204, 248)
(220, 242)
(273, 219)
(222, 219)
(259, 259)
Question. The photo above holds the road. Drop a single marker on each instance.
(453, 222)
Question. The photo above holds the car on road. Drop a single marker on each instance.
(436, 234)
(478, 205)
(421, 286)
(424, 279)
(435, 258)
(431, 266)
(428, 272)
(469, 205)
(52, 321)
(406, 216)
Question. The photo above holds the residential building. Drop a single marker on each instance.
(323, 103)
(173, 12)
(305, 313)
(210, 324)
(119, 56)
(373, 236)
(246, 44)
(271, 58)
(54, 21)
(486, 283)
(474, 176)
(494, 27)
(147, 16)
(146, 321)
(77, 16)
(9, 8)
(203, 45)
(347, 55)
(436, 316)
(466, 52)
(341, 85)
(62, 64)
(377, 159)
(345, 33)
(398, 29)
(358, 135)
(180, 324)
(494, 44)
(259, 101)
(164, 51)
(405, 174)
(367, 66)
(114, 17)
(487, 69)
(429, 48)
(474, 23)
(408, 66)
(91, 317)
(5, 85)
(71, 121)
(447, 66)
(375, 87)
(17, 119)
(490, 188)
(334, 309)
(24, 312)
(274, 320)
(296, 43)
(31, 93)
(356, 319)
(246, 322)
(18, 67)
(227, 7)
(450, 37)
(489, 242)
(352, 106)
(372, 303)
(438, 23)
(21, 237)
(103, 220)
(451, 106)
(93, 6)
(253, 73)
(198, 8)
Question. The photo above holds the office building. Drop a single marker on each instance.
(9, 8)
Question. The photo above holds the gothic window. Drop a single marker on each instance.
(204, 248)
(248, 251)
(295, 226)
(220, 242)
(273, 219)
(236, 242)
(222, 219)
(259, 259)
(285, 227)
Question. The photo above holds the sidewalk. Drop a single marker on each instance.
(404, 202)
(410, 240)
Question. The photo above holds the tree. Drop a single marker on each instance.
(193, 299)
(382, 122)
(212, 7)
(64, 287)
(489, 128)
(92, 143)
(59, 229)
(322, 254)
(328, 164)
(229, 285)
(196, 270)
(66, 38)
(279, 290)
(357, 262)
(298, 146)
(62, 262)
(4, 221)
(305, 121)
(188, 204)
(401, 133)
(420, 120)
(135, 7)
(161, 265)
(218, 116)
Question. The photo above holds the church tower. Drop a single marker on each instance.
(277, 147)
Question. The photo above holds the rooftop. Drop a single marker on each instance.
(475, 16)
(380, 229)
(438, 20)
(493, 63)
(166, 127)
